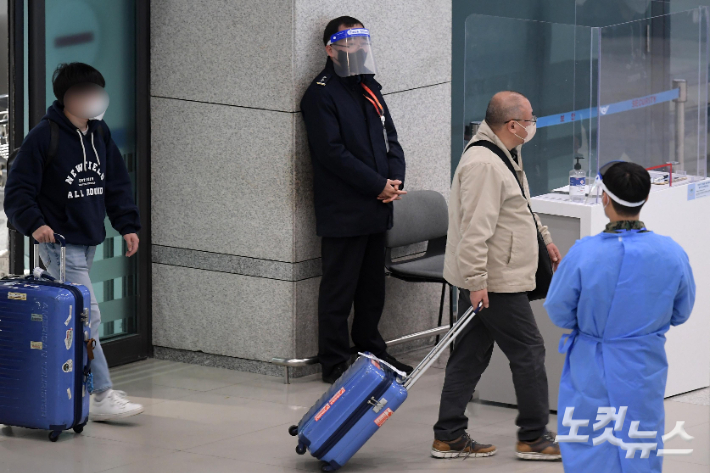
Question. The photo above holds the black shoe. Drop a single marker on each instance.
(335, 373)
(397, 364)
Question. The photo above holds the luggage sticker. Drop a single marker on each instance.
(68, 367)
(35, 345)
(17, 296)
(66, 322)
(36, 317)
(377, 365)
(69, 338)
(337, 396)
(382, 418)
(322, 412)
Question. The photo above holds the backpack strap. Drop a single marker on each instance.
(499, 152)
(53, 143)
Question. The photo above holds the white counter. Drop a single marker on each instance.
(668, 212)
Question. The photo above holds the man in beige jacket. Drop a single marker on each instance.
(492, 255)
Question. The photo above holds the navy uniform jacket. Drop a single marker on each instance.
(351, 164)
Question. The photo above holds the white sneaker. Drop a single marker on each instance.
(114, 406)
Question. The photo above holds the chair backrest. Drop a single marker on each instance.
(420, 216)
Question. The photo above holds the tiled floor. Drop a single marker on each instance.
(201, 419)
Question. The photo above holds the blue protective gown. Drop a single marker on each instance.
(619, 293)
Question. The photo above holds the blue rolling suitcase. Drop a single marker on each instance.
(360, 402)
(45, 351)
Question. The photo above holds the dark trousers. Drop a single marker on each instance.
(510, 323)
(353, 273)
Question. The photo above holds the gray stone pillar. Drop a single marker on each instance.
(235, 257)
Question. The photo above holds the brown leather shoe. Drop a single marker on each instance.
(545, 448)
(464, 447)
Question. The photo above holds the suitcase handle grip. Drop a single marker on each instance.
(441, 346)
(63, 256)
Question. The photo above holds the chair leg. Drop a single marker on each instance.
(441, 308)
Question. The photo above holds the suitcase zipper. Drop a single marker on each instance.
(356, 415)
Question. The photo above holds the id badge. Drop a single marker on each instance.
(384, 133)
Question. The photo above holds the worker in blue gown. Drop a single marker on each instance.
(619, 292)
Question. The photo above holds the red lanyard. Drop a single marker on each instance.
(374, 101)
(380, 112)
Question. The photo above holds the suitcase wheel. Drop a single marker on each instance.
(79, 429)
(54, 436)
(293, 430)
(327, 467)
(301, 449)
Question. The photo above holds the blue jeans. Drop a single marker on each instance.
(79, 261)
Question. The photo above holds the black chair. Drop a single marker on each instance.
(421, 216)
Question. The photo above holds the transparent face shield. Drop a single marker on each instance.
(353, 52)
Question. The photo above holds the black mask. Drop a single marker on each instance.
(358, 61)
(342, 57)
(361, 55)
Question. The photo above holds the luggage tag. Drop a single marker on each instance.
(90, 382)
(90, 345)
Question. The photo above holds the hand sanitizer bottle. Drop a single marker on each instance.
(577, 181)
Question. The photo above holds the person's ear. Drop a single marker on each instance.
(329, 50)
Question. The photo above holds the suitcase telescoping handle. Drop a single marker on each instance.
(62, 259)
(441, 346)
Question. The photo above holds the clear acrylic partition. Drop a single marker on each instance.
(554, 65)
(653, 95)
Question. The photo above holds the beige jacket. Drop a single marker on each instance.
(492, 239)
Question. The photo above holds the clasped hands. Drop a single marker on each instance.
(391, 192)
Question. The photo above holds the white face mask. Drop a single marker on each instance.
(99, 117)
(531, 129)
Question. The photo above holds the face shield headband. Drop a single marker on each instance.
(599, 183)
(341, 35)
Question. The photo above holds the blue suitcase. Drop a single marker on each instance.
(45, 352)
(360, 402)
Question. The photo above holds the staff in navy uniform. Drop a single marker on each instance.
(358, 171)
